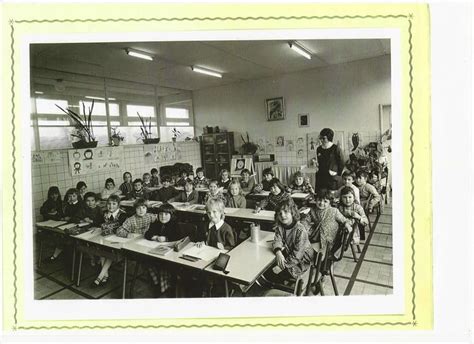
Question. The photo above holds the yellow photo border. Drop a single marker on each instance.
(20, 20)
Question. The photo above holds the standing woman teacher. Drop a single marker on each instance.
(330, 162)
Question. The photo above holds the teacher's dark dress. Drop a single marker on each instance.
(328, 159)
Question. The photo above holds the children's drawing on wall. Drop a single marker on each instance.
(46, 158)
(280, 141)
(94, 160)
(290, 147)
(300, 142)
(312, 145)
(88, 154)
(270, 149)
(300, 154)
(261, 145)
(77, 168)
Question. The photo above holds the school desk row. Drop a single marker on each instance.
(248, 260)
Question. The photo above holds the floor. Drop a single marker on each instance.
(370, 275)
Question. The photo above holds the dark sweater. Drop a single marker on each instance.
(143, 193)
(225, 184)
(51, 206)
(95, 214)
(181, 197)
(169, 230)
(164, 194)
(74, 211)
(225, 235)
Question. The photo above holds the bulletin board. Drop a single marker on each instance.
(93, 160)
(239, 163)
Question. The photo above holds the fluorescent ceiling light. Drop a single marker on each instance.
(139, 54)
(39, 92)
(206, 71)
(98, 98)
(300, 50)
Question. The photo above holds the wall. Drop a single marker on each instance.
(45, 176)
(343, 97)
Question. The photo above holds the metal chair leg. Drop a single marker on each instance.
(40, 253)
(333, 281)
(124, 285)
(73, 262)
(79, 271)
(354, 256)
(132, 283)
(321, 289)
(358, 248)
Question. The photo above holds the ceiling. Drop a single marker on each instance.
(237, 60)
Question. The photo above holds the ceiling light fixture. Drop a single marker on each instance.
(98, 98)
(300, 50)
(206, 71)
(39, 92)
(139, 54)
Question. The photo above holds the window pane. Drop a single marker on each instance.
(99, 108)
(178, 124)
(132, 134)
(177, 113)
(54, 122)
(143, 110)
(166, 134)
(48, 106)
(54, 137)
(101, 136)
(138, 124)
(114, 109)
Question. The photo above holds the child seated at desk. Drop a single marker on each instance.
(291, 245)
(73, 213)
(301, 184)
(353, 211)
(369, 197)
(235, 196)
(188, 195)
(114, 217)
(138, 223)
(216, 232)
(268, 176)
(200, 182)
(81, 188)
(52, 208)
(348, 178)
(275, 198)
(138, 191)
(155, 178)
(224, 179)
(110, 189)
(147, 180)
(182, 179)
(92, 213)
(126, 187)
(214, 192)
(323, 222)
(165, 229)
(167, 191)
(247, 182)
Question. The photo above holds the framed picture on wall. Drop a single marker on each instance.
(303, 120)
(275, 109)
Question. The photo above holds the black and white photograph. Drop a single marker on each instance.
(140, 191)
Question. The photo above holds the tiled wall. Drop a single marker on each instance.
(59, 175)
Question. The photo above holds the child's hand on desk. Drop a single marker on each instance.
(199, 243)
(220, 246)
(281, 261)
(257, 210)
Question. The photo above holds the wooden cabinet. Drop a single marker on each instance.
(216, 153)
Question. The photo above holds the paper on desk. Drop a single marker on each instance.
(89, 234)
(154, 203)
(127, 203)
(67, 226)
(299, 195)
(151, 243)
(117, 239)
(264, 193)
(204, 252)
(50, 223)
(265, 213)
(230, 210)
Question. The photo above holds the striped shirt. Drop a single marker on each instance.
(136, 224)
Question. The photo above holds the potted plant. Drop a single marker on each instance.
(248, 147)
(175, 132)
(84, 129)
(116, 137)
(145, 131)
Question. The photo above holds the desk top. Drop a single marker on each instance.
(248, 260)
(93, 236)
(296, 195)
(173, 257)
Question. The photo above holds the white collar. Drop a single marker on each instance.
(218, 224)
(114, 214)
(188, 193)
(75, 202)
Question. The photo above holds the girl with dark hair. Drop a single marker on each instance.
(52, 208)
(330, 162)
(276, 197)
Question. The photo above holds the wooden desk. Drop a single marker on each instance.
(248, 261)
(298, 197)
(133, 250)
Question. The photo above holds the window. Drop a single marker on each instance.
(48, 106)
(177, 115)
(143, 110)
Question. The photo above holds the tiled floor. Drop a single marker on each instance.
(370, 275)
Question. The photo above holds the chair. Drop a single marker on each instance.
(294, 288)
(325, 266)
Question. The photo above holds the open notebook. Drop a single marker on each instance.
(204, 252)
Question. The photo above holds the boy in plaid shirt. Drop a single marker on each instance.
(138, 223)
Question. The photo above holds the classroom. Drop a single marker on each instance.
(211, 168)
